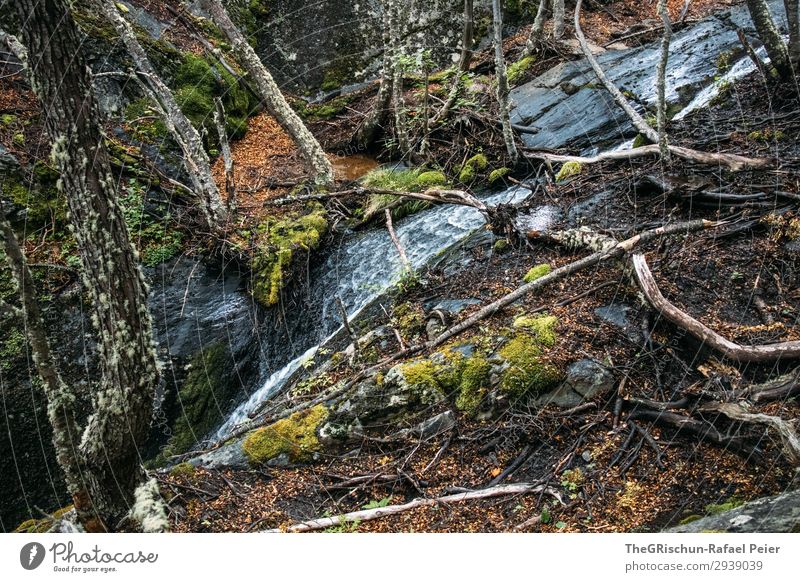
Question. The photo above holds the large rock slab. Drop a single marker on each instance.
(571, 108)
(777, 514)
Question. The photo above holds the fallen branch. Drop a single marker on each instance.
(396, 241)
(734, 162)
(763, 353)
(613, 250)
(786, 432)
(371, 514)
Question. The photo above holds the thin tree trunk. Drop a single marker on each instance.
(467, 37)
(117, 294)
(60, 399)
(638, 121)
(398, 98)
(537, 30)
(227, 156)
(195, 157)
(558, 19)
(793, 18)
(769, 35)
(396, 242)
(377, 117)
(271, 95)
(661, 81)
(502, 81)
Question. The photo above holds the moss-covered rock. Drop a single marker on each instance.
(296, 437)
(280, 242)
(568, 170)
(35, 189)
(516, 70)
(474, 385)
(472, 167)
(498, 174)
(185, 471)
(541, 327)
(198, 399)
(537, 272)
(527, 373)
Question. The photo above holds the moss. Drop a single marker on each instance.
(409, 319)
(7, 119)
(474, 385)
(295, 436)
(527, 374)
(322, 111)
(472, 167)
(183, 471)
(541, 327)
(517, 70)
(537, 272)
(36, 190)
(279, 241)
(434, 377)
(716, 508)
(498, 174)
(431, 178)
(198, 399)
(12, 346)
(42, 525)
(568, 170)
(18, 139)
(501, 245)
(689, 519)
(639, 141)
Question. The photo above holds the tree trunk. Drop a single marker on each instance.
(123, 402)
(661, 82)
(398, 69)
(769, 35)
(467, 37)
(537, 30)
(195, 157)
(227, 156)
(273, 99)
(502, 82)
(380, 110)
(793, 18)
(60, 400)
(558, 19)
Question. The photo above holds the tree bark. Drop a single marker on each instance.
(467, 37)
(60, 399)
(769, 35)
(273, 99)
(793, 19)
(396, 12)
(558, 19)
(661, 81)
(195, 157)
(502, 81)
(376, 119)
(227, 156)
(123, 402)
(537, 30)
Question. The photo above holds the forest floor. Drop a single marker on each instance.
(609, 483)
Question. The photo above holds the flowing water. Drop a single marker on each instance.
(365, 265)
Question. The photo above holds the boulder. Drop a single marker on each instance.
(777, 514)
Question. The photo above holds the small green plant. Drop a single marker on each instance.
(572, 479)
(345, 527)
(377, 503)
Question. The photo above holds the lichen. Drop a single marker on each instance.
(295, 437)
(279, 243)
(498, 174)
(537, 272)
(717, 508)
(44, 524)
(568, 170)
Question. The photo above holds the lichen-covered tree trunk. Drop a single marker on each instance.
(380, 110)
(793, 19)
(195, 157)
(112, 279)
(271, 95)
(661, 80)
(502, 81)
(396, 12)
(769, 35)
(558, 18)
(60, 399)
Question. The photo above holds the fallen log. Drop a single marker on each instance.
(733, 162)
(370, 514)
(731, 350)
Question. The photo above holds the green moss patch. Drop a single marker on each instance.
(472, 167)
(42, 525)
(474, 385)
(568, 170)
(516, 71)
(537, 272)
(295, 436)
(527, 373)
(278, 245)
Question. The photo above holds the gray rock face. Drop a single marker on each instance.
(570, 107)
(778, 514)
(230, 456)
(585, 380)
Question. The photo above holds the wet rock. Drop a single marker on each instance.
(585, 379)
(777, 514)
(570, 107)
(230, 456)
(436, 425)
(591, 210)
